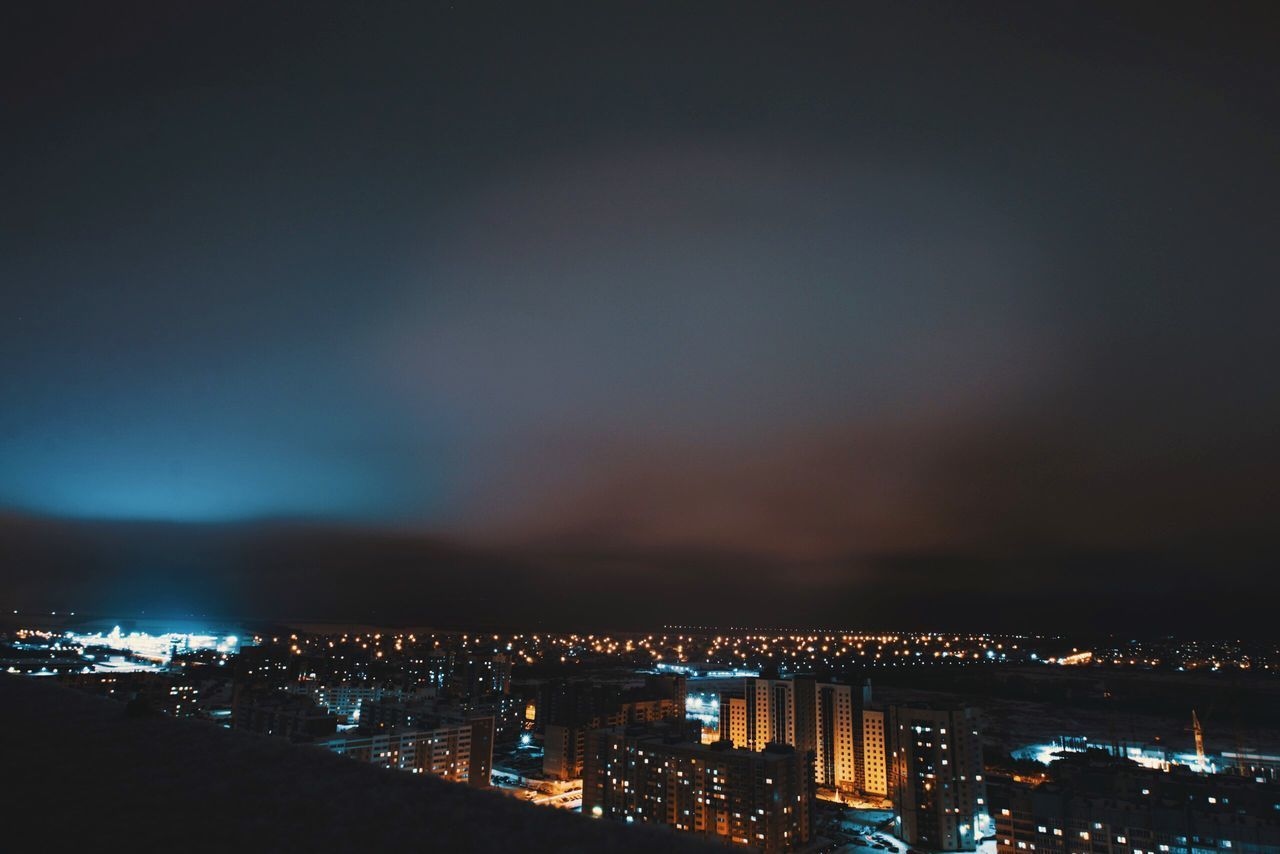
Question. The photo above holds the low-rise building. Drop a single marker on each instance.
(564, 744)
(290, 716)
(1094, 803)
(394, 716)
(444, 751)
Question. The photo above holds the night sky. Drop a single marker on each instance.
(917, 315)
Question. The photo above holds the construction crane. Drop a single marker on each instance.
(1199, 732)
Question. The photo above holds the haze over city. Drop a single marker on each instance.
(922, 308)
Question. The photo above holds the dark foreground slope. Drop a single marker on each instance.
(80, 775)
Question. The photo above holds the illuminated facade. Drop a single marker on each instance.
(935, 776)
(771, 712)
(400, 716)
(816, 718)
(757, 799)
(705, 708)
(733, 720)
(872, 759)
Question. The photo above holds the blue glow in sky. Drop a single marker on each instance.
(752, 296)
(108, 481)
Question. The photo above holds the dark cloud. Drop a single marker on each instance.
(283, 570)
(801, 310)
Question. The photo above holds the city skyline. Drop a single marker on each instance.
(775, 742)
(785, 428)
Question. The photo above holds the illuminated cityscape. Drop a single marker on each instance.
(777, 740)
(600, 426)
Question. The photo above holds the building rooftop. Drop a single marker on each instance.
(1096, 775)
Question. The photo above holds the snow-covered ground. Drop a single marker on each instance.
(868, 827)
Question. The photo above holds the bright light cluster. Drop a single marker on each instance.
(1148, 758)
(159, 648)
(703, 707)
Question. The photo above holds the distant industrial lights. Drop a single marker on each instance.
(160, 648)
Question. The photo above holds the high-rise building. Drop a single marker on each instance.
(816, 718)
(566, 701)
(562, 751)
(761, 799)
(835, 758)
(1095, 803)
(771, 712)
(804, 705)
(935, 776)
(480, 761)
(476, 675)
